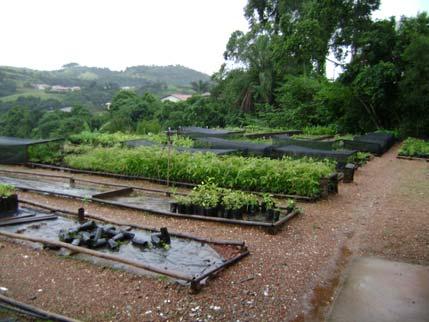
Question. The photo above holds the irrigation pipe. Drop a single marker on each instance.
(24, 308)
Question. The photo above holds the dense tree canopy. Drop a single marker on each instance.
(274, 75)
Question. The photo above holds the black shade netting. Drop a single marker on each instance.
(14, 150)
(194, 132)
(375, 142)
(242, 146)
(340, 156)
(285, 140)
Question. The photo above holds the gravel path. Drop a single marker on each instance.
(290, 276)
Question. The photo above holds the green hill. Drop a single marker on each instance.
(96, 85)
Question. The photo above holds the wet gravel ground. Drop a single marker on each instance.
(289, 276)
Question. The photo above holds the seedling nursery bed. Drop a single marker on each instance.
(152, 201)
(179, 256)
(155, 180)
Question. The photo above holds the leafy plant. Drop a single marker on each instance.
(289, 176)
(234, 200)
(6, 190)
(415, 148)
(268, 201)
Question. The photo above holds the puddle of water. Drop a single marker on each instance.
(184, 255)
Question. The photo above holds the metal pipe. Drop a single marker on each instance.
(34, 310)
(122, 223)
(107, 256)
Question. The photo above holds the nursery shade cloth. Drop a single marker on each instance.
(194, 131)
(374, 142)
(285, 140)
(14, 150)
(243, 146)
(300, 151)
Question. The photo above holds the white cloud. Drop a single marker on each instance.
(400, 8)
(46, 34)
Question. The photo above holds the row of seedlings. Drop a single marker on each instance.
(210, 200)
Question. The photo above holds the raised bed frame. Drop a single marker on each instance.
(195, 281)
(403, 157)
(270, 227)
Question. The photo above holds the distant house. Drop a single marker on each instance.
(176, 98)
(41, 87)
(64, 89)
(66, 109)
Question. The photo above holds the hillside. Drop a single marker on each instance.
(92, 86)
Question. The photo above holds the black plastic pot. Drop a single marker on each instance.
(211, 212)
(140, 242)
(220, 211)
(251, 210)
(87, 226)
(81, 215)
(269, 215)
(237, 214)
(173, 207)
(8, 205)
(276, 216)
(228, 214)
(182, 209)
(99, 243)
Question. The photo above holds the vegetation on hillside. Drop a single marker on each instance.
(273, 77)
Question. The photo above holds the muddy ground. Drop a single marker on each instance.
(291, 276)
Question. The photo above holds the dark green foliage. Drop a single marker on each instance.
(412, 147)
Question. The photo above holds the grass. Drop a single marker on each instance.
(31, 92)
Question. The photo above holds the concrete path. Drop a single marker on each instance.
(378, 290)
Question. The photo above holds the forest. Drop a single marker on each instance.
(274, 76)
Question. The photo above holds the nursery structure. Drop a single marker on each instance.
(15, 150)
(375, 142)
(137, 198)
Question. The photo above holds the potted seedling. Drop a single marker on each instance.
(8, 200)
(252, 204)
(233, 203)
(268, 206)
(183, 204)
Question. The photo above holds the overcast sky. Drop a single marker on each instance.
(45, 34)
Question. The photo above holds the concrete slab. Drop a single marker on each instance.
(378, 290)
